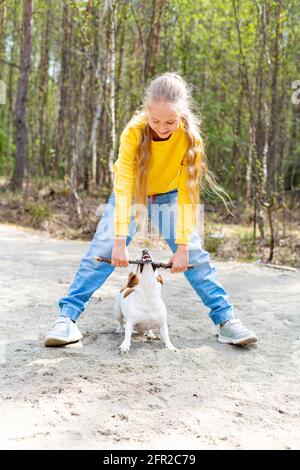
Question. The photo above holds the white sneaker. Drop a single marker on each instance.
(234, 332)
(63, 331)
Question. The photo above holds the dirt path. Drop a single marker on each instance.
(207, 395)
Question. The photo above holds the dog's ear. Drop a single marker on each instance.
(132, 280)
(127, 292)
(160, 279)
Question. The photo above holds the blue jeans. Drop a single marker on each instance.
(92, 274)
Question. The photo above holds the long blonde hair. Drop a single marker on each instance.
(171, 88)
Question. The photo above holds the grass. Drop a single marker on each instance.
(212, 245)
(246, 243)
(38, 211)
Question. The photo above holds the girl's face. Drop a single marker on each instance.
(163, 119)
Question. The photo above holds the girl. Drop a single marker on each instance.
(161, 160)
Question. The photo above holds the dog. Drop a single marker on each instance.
(139, 305)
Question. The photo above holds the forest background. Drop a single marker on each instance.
(72, 73)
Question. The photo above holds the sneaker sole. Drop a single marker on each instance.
(59, 342)
(241, 342)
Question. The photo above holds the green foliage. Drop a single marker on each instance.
(212, 244)
(6, 161)
(38, 210)
(2, 149)
(246, 244)
(198, 39)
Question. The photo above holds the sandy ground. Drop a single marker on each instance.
(206, 395)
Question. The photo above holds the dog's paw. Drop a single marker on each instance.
(119, 330)
(172, 348)
(124, 348)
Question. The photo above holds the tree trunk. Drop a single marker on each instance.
(43, 91)
(112, 90)
(3, 12)
(74, 169)
(153, 38)
(9, 91)
(60, 137)
(101, 168)
(121, 57)
(271, 182)
(20, 110)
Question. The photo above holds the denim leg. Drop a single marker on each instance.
(91, 273)
(202, 278)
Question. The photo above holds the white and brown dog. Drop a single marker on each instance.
(139, 305)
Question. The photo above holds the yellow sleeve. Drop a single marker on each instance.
(124, 169)
(186, 215)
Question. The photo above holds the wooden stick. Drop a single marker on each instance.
(102, 259)
(277, 266)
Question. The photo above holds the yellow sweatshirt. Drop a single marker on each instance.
(167, 171)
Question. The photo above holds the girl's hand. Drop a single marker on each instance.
(119, 256)
(180, 259)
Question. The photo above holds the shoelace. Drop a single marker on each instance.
(59, 326)
(234, 326)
